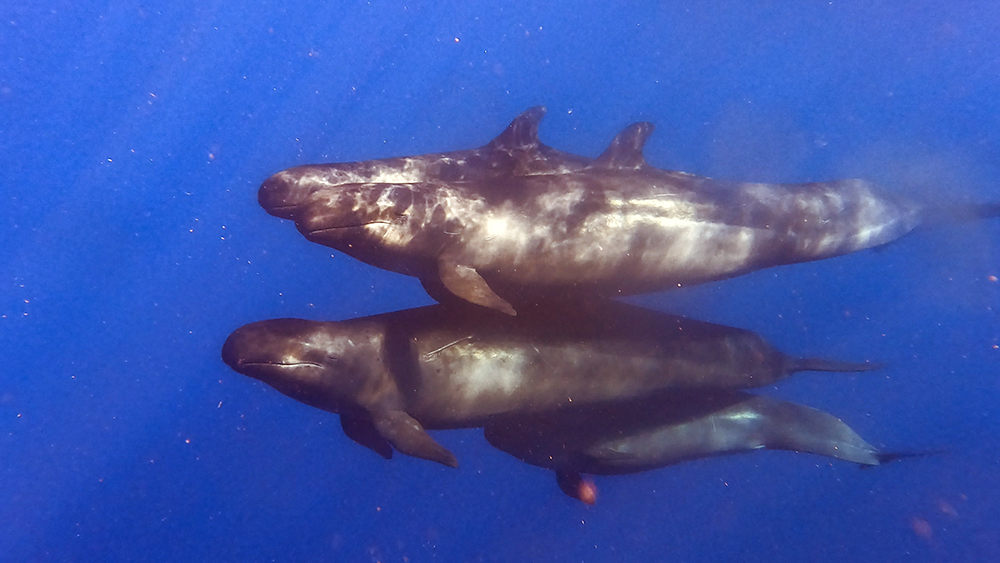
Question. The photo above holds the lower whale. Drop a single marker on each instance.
(392, 376)
(655, 432)
(559, 226)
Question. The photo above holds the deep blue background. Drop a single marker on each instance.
(133, 139)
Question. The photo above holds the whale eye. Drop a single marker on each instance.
(333, 358)
(401, 199)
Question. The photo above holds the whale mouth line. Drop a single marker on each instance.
(282, 364)
(283, 211)
(352, 226)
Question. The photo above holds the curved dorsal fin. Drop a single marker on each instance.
(522, 132)
(625, 151)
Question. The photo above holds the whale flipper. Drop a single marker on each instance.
(409, 437)
(362, 431)
(465, 282)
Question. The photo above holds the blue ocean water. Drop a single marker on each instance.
(134, 138)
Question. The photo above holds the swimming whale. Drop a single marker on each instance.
(678, 426)
(517, 222)
(392, 376)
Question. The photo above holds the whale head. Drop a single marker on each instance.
(287, 193)
(330, 366)
(284, 193)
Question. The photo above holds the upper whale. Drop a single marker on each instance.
(516, 222)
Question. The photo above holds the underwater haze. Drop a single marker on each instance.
(134, 138)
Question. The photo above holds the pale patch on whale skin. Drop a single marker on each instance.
(486, 372)
(604, 243)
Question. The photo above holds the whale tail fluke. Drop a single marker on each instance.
(960, 213)
(821, 364)
(986, 210)
(889, 457)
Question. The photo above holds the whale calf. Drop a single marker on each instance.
(517, 222)
(678, 426)
(392, 376)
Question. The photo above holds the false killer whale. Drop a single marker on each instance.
(390, 376)
(517, 222)
(676, 426)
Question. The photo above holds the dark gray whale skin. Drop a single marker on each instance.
(674, 427)
(517, 222)
(391, 376)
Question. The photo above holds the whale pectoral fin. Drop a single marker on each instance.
(363, 431)
(465, 282)
(409, 437)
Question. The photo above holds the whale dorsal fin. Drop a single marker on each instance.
(625, 151)
(522, 132)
